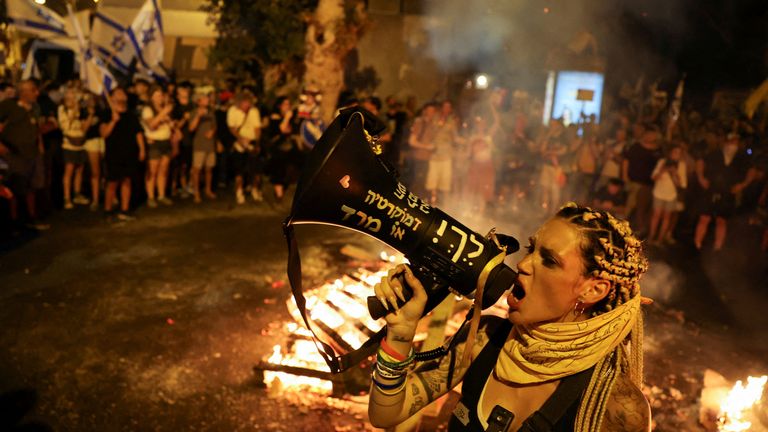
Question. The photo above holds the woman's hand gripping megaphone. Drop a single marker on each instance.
(403, 297)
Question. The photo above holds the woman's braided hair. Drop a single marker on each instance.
(610, 251)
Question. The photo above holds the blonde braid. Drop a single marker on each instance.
(592, 407)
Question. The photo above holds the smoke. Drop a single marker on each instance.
(662, 283)
(464, 34)
(516, 40)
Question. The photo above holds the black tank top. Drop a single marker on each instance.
(558, 414)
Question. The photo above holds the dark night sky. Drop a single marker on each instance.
(719, 44)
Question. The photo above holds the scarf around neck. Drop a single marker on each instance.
(552, 351)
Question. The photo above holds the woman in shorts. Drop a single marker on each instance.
(73, 123)
(669, 182)
(94, 147)
(202, 127)
(157, 124)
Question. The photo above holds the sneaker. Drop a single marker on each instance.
(39, 226)
(240, 196)
(151, 203)
(125, 217)
(81, 200)
(197, 199)
(210, 195)
(68, 205)
(94, 206)
(256, 195)
(165, 201)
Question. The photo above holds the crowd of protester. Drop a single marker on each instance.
(152, 145)
(673, 176)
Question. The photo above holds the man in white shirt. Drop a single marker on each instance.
(244, 121)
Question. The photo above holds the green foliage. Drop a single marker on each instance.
(257, 34)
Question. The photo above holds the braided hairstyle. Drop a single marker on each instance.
(610, 251)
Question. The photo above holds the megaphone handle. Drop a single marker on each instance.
(377, 309)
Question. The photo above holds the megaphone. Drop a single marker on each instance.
(345, 184)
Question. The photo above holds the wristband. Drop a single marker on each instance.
(392, 352)
(382, 358)
(387, 373)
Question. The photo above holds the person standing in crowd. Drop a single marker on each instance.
(244, 121)
(125, 149)
(669, 183)
(139, 98)
(158, 127)
(481, 178)
(94, 147)
(74, 123)
(552, 177)
(421, 143)
(721, 174)
(440, 168)
(285, 157)
(202, 128)
(637, 167)
(612, 158)
(397, 118)
(21, 145)
(183, 110)
(587, 155)
(225, 139)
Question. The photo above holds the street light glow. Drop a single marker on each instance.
(481, 81)
(40, 2)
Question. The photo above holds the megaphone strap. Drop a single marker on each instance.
(478, 306)
(335, 363)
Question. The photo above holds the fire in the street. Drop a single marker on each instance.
(736, 408)
(340, 306)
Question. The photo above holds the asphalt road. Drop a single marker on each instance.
(155, 324)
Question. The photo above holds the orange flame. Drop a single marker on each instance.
(735, 411)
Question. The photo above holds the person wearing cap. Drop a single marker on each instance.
(722, 174)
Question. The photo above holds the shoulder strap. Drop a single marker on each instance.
(567, 393)
(476, 377)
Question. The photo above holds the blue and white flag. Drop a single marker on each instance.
(37, 19)
(111, 41)
(93, 71)
(146, 34)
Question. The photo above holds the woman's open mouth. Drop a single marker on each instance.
(516, 296)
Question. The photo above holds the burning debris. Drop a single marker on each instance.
(339, 311)
(728, 407)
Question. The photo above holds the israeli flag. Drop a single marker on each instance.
(111, 41)
(146, 35)
(93, 71)
(33, 18)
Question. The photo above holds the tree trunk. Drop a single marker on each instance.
(327, 43)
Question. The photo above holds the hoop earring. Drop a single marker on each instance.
(578, 308)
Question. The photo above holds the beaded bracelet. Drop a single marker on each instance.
(383, 358)
(387, 373)
(382, 388)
